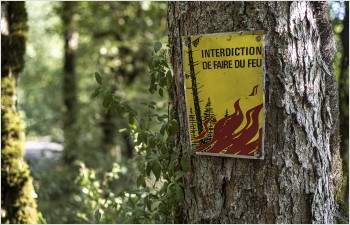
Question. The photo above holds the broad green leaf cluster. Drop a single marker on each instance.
(162, 166)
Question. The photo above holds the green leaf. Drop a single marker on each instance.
(161, 92)
(98, 78)
(141, 181)
(179, 174)
(165, 63)
(157, 46)
(98, 215)
(179, 193)
(131, 119)
(153, 88)
(173, 162)
(163, 82)
(142, 168)
(153, 78)
(151, 65)
(149, 168)
(107, 101)
(185, 165)
(155, 205)
(151, 106)
(163, 149)
(96, 92)
(151, 142)
(133, 126)
(169, 77)
(157, 170)
(162, 130)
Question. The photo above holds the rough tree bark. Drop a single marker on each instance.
(297, 180)
(17, 192)
(69, 80)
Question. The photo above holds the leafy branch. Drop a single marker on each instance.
(162, 166)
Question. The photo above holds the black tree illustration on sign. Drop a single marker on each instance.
(193, 126)
(209, 113)
(226, 113)
(194, 85)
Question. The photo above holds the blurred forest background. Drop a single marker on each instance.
(84, 159)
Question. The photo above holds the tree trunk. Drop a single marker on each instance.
(17, 192)
(69, 81)
(110, 124)
(296, 182)
(344, 100)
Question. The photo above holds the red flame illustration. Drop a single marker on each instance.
(254, 91)
(206, 129)
(227, 139)
(223, 129)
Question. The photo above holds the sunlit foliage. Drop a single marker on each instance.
(115, 38)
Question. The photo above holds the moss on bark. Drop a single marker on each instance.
(18, 203)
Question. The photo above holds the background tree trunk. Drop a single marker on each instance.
(344, 99)
(296, 182)
(69, 81)
(17, 193)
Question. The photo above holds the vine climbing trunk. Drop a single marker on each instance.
(297, 182)
(18, 204)
(71, 37)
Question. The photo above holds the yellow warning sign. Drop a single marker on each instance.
(224, 81)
